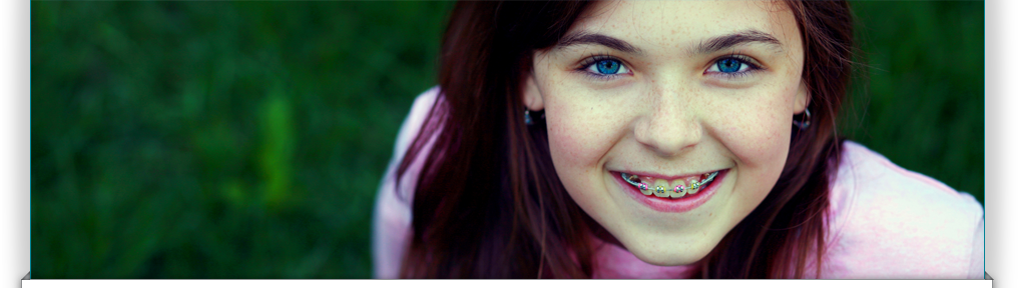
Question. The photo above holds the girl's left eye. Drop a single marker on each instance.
(731, 66)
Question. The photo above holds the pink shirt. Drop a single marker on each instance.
(885, 222)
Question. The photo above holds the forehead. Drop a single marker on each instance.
(675, 24)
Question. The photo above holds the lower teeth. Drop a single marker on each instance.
(663, 192)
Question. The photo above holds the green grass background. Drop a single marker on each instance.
(247, 139)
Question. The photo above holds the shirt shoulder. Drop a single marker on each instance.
(887, 223)
(392, 214)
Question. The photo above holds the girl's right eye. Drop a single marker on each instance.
(605, 67)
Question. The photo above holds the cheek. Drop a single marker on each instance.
(582, 129)
(565, 140)
(576, 138)
(761, 139)
(758, 132)
(579, 138)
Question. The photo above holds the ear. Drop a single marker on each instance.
(802, 98)
(532, 96)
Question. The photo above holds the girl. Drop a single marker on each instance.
(655, 140)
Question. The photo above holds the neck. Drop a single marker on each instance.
(602, 234)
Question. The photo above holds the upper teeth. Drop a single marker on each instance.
(663, 189)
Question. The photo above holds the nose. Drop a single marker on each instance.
(670, 126)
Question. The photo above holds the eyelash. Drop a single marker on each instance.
(743, 59)
(592, 60)
(751, 66)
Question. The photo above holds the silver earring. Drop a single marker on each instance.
(526, 117)
(805, 122)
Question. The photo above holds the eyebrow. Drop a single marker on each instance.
(706, 47)
(598, 39)
(742, 37)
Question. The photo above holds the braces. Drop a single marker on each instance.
(631, 179)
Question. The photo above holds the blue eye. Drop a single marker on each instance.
(604, 66)
(733, 65)
(608, 66)
(729, 65)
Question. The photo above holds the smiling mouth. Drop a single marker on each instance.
(675, 189)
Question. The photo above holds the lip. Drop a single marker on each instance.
(680, 205)
(666, 177)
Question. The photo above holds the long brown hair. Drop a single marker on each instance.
(488, 202)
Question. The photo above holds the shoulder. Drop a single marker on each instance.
(888, 222)
(392, 214)
(408, 131)
(414, 120)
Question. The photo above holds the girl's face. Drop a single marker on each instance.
(669, 91)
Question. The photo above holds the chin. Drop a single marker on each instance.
(671, 256)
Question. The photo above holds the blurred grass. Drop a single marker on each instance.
(217, 139)
(247, 139)
(921, 101)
